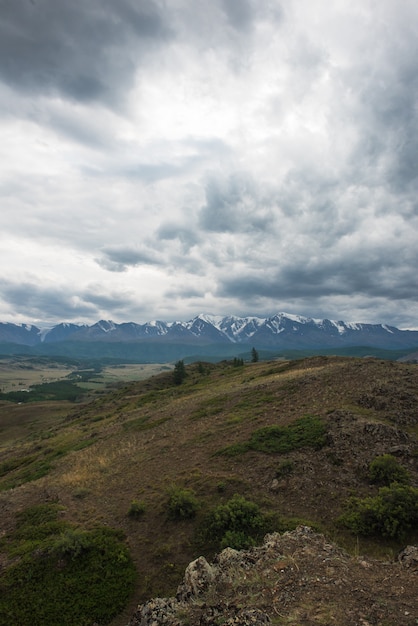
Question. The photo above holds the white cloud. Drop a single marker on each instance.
(199, 158)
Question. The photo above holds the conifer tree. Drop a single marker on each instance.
(179, 372)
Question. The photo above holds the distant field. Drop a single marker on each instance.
(121, 373)
(21, 420)
(19, 372)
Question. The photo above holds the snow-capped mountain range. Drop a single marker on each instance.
(280, 330)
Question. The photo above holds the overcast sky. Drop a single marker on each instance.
(164, 158)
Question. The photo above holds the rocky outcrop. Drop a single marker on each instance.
(299, 577)
(409, 557)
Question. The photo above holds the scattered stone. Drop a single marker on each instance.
(409, 557)
(274, 485)
(155, 612)
(248, 617)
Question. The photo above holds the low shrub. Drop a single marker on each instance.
(70, 544)
(308, 431)
(136, 509)
(237, 539)
(182, 504)
(64, 575)
(386, 469)
(238, 524)
(391, 514)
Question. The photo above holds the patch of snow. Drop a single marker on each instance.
(214, 320)
(294, 318)
(353, 326)
(109, 326)
(387, 329)
(43, 333)
(340, 326)
(162, 327)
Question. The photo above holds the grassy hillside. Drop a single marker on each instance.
(154, 460)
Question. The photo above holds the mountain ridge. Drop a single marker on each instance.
(279, 330)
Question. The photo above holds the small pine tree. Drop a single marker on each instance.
(179, 372)
(254, 356)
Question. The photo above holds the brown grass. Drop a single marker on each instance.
(152, 435)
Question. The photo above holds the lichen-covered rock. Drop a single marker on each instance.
(155, 612)
(228, 556)
(197, 578)
(409, 557)
(248, 617)
(298, 575)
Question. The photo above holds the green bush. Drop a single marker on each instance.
(309, 431)
(237, 524)
(238, 540)
(39, 522)
(70, 544)
(182, 504)
(391, 514)
(385, 469)
(64, 575)
(136, 509)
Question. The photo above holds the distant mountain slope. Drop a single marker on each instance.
(24, 334)
(282, 330)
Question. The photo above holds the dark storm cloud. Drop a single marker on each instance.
(120, 258)
(188, 237)
(186, 292)
(240, 15)
(358, 274)
(83, 131)
(39, 302)
(60, 303)
(388, 94)
(234, 204)
(83, 49)
(234, 155)
(113, 301)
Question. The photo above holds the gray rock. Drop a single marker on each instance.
(248, 617)
(409, 557)
(155, 612)
(197, 578)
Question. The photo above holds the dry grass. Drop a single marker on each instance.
(152, 435)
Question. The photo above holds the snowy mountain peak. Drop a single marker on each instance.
(282, 330)
(106, 325)
(293, 318)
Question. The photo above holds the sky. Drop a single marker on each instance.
(166, 158)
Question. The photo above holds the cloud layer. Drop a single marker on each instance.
(162, 159)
